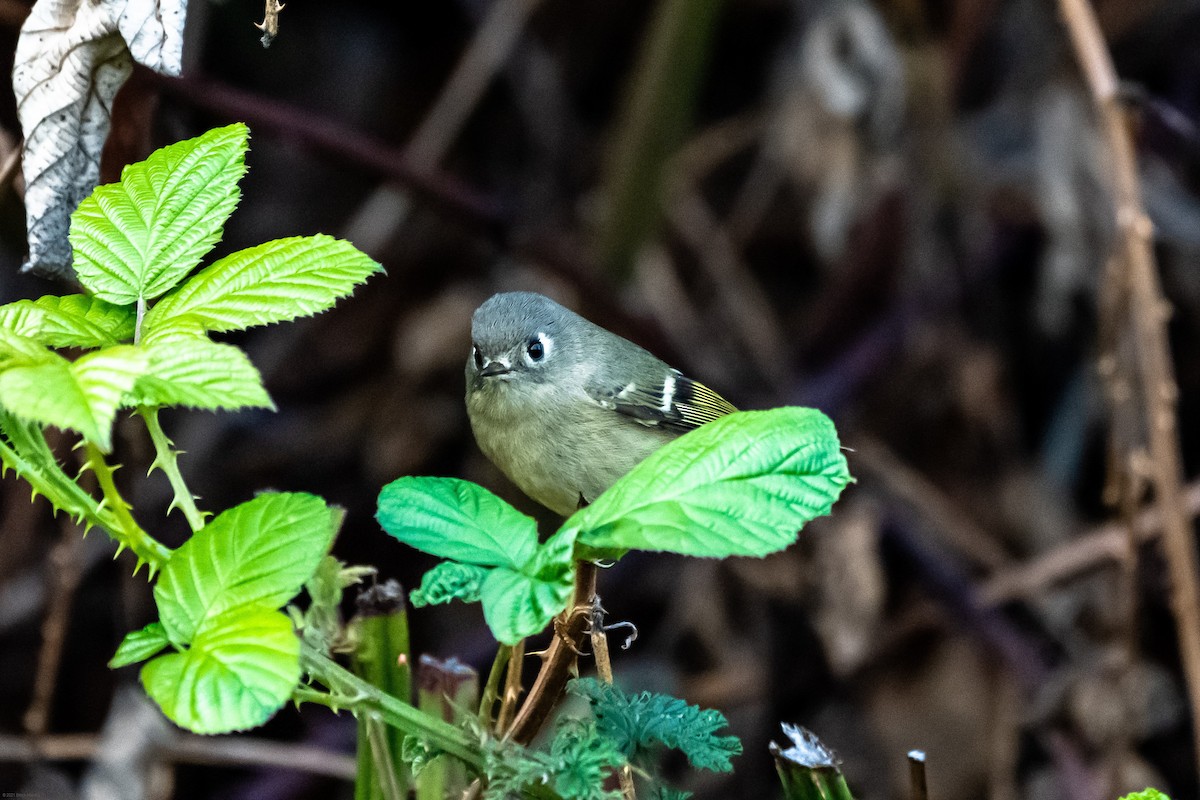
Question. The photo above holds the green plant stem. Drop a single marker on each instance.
(351, 692)
(128, 533)
(385, 769)
(167, 459)
(490, 690)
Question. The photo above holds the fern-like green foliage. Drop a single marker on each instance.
(638, 723)
(576, 766)
(1146, 794)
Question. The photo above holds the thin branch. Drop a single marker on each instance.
(65, 569)
(1099, 547)
(233, 751)
(1147, 319)
(328, 136)
(491, 46)
(560, 659)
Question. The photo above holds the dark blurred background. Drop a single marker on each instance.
(894, 211)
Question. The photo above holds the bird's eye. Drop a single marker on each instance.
(536, 350)
(477, 356)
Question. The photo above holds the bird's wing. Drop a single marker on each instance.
(676, 402)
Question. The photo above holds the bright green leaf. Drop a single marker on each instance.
(135, 239)
(258, 553)
(197, 372)
(448, 581)
(1146, 794)
(73, 320)
(140, 645)
(240, 669)
(82, 396)
(273, 282)
(743, 484)
(520, 604)
(458, 520)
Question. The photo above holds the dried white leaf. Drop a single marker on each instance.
(72, 57)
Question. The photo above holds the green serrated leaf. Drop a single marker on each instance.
(23, 349)
(520, 604)
(83, 395)
(196, 372)
(139, 645)
(257, 554)
(458, 520)
(135, 239)
(1146, 794)
(583, 760)
(273, 282)
(73, 320)
(742, 485)
(639, 721)
(448, 581)
(240, 669)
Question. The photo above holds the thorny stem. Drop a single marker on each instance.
(1147, 318)
(127, 532)
(559, 658)
(604, 670)
(491, 689)
(512, 688)
(350, 692)
(167, 459)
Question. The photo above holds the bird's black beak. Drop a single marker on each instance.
(492, 369)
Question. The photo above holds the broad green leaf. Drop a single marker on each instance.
(135, 239)
(197, 372)
(20, 348)
(273, 282)
(240, 669)
(73, 320)
(257, 554)
(140, 645)
(516, 605)
(742, 485)
(83, 395)
(458, 520)
(520, 604)
(448, 581)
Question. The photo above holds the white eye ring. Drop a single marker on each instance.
(538, 349)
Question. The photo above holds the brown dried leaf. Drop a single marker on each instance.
(72, 57)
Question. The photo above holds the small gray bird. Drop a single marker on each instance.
(563, 407)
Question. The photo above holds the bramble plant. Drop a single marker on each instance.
(228, 651)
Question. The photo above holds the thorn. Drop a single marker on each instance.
(121, 547)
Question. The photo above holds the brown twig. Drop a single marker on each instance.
(489, 49)
(65, 573)
(512, 688)
(599, 637)
(559, 659)
(1097, 548)
(1146, 318)
(916, 775)
(186, 749)
(270, 24)
(943, 517)
(329, 136)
